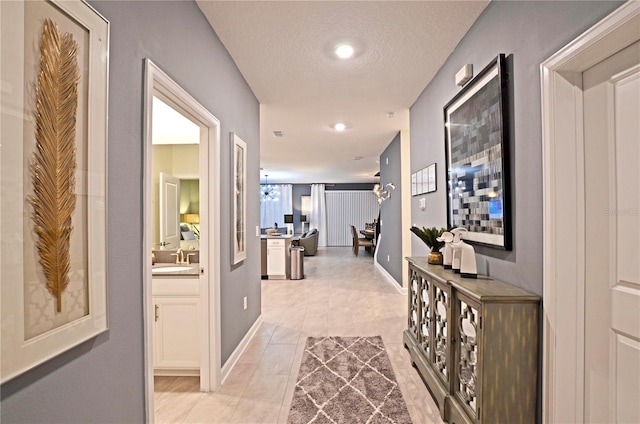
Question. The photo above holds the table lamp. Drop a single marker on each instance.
(192, 219)
(288, 219)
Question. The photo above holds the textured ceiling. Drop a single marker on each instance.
(284, 50)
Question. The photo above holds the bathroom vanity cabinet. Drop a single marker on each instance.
(475, 344)
(176, 339)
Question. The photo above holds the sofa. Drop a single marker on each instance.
(309, 241)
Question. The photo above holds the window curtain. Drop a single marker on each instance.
(273, 211)
(318, 217)
(346, 208)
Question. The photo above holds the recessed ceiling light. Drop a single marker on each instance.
(344, 51)
(391, 114)
(340, 126)
(277, 133)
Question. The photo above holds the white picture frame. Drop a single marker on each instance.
(33, 331)
(431, 178)
(414, 184)
(239, 192)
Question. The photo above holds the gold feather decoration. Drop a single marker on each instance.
(54, 161)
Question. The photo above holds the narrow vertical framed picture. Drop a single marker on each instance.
(477, 157)
(419, 183)
(53, 175)
(431, 178)
(414, 184)
(239, 235)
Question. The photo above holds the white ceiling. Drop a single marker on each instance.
(284, 50)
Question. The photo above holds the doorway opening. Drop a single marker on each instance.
(570, 184)
(187, 223)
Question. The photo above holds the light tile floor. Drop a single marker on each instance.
(341, 295)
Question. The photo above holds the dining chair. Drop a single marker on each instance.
(357, 242)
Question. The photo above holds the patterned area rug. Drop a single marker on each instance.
(347, 380)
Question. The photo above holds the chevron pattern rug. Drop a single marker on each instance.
(347, 380)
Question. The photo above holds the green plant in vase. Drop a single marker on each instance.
(430, 237)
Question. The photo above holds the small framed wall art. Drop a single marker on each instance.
(424, 181)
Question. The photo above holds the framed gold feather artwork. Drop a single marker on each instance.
(52, 180)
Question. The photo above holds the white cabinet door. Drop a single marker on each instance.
(276, 259)
(176, 333)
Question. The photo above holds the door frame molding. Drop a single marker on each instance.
(563, 209)
(156, 80)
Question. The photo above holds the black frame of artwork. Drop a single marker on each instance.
(477, 158)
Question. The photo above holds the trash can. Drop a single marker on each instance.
(297, 262)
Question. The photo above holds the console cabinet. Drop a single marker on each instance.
(475, 344)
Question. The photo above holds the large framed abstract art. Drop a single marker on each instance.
(239, 236)
(477, 158)
(53, 180)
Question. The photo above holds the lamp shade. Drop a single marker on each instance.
(190, 218)
(288, 219)
(303, 218)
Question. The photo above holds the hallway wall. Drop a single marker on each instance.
(389, 250)
(102, 380)
(530, 31)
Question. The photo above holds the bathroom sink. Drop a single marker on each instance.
(173, 268)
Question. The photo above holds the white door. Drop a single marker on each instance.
(169, 201)
(612, 204)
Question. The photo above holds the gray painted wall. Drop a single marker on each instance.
(530, 31)
(391, 212)
(102, 381)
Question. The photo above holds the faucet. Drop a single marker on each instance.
(181, 253)
(179, 256)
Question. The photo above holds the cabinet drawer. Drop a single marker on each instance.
(275, 242)
(175, 286)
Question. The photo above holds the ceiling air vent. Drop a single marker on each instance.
(278, 134)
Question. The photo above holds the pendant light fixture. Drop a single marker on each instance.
(268, 192)
(383, 193)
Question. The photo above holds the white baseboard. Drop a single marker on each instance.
(239, 350)
(389, 278)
